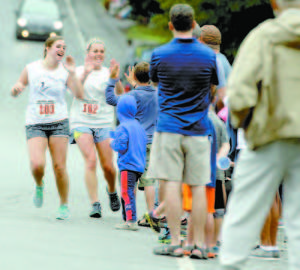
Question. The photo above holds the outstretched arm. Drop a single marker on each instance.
(20, 84)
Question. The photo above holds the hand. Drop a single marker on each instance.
(88, 65)
(70, 64)
(17, 89)
(130, 76)
(114, 69)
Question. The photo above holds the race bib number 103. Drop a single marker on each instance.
(46, 108)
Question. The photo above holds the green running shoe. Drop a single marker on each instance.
(38, 197)
(63, 212)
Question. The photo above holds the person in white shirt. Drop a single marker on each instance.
(47, 123)
(91, 122)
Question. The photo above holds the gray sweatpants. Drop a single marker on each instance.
(256, 179)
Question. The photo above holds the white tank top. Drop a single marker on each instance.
(47, 89)
(92, 111)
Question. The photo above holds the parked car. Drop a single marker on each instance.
(38, 19)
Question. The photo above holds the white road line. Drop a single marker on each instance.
(81, 38)
(185, 264)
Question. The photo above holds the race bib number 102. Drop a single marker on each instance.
(90, 108)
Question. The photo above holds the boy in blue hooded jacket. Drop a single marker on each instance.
(130, 141)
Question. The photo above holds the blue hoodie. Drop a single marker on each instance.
(147, 105)
(130, 139)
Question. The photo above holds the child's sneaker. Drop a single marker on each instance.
(127, 226)
(63, 212)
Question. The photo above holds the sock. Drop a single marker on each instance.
(267, 248)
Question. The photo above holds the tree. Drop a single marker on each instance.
(234, 18)
(145, 8)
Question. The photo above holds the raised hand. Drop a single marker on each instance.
(70, 64)
(17, 89)
(114, 69)
(88, 65)
(130, 76)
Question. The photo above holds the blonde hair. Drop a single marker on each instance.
(94, 41)
(49, 42)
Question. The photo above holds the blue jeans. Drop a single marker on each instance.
(99, 134)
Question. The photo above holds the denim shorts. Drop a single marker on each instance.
(99, 134)
(57, 129)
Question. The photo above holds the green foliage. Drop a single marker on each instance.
(235, 18)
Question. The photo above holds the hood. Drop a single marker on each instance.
(286, 28)
(126, 108)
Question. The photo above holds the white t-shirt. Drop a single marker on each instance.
(47, 89)
(92, 111)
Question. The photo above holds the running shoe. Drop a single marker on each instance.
(153, 221)
(38, 196)
(260, 253)
(276, 254)
(114, 201)
(96, 210)
(63, 212)
(127, 226)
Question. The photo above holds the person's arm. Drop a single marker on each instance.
(119, 89)
(120, 141)
(242, 89)
(225, 145)
(221, 88)
(88, 67)
(73, 82)
(154, 69)
(110, 95)
(20, 85)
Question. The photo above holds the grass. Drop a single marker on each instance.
(148, 34)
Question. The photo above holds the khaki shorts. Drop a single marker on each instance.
(176, 157)
(146, 182)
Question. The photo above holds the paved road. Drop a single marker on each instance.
(32, 238)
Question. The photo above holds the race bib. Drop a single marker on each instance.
(90, 108)
(45, 108)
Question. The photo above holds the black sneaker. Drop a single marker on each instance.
(154, 222)
(114, 201)
(96, 210)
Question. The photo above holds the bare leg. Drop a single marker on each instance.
(199, 212)
(173, 209)
(150, 197)
(37, 153)
(274, 222)
(209, 230)
(58, 150)
(87, 147)
(106, 161)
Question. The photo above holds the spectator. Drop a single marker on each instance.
(263, 101)
(181, 148)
